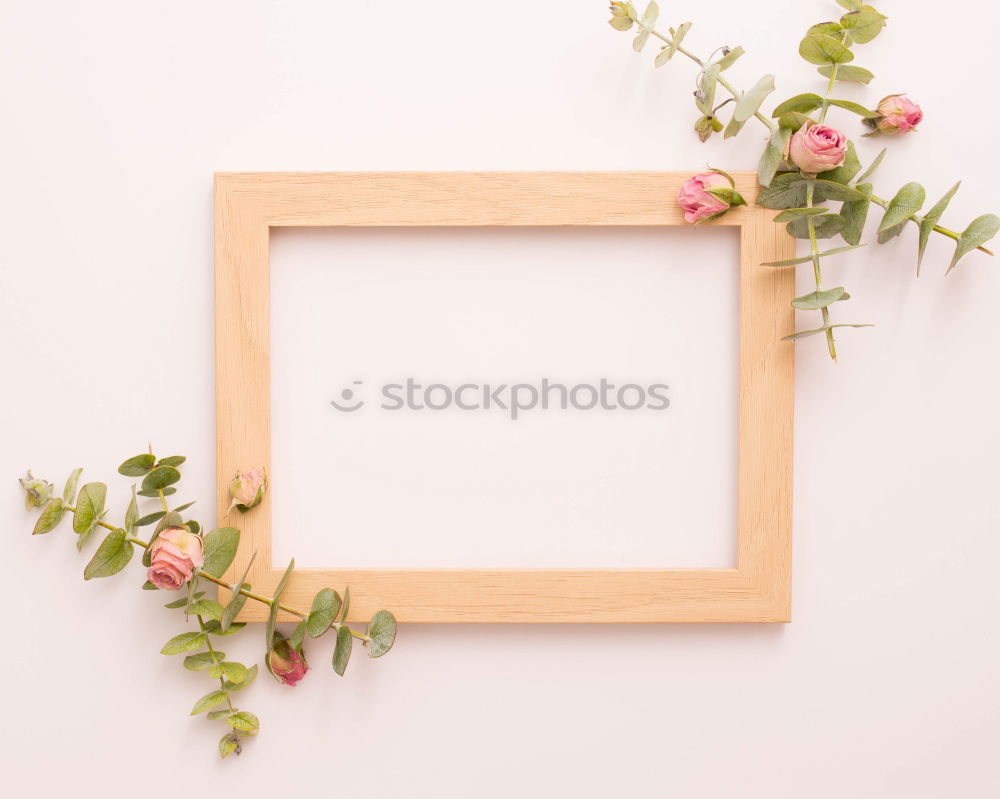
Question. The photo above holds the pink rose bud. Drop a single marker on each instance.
(174, 556)
(707, 196)
(816, 148)
(897, 113)
(285, 662)
(247, 490)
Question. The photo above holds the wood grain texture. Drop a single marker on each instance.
(247, 205)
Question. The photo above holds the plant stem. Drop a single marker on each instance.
(258, 597)
(817, 272)
(163, 500)
(211, 651)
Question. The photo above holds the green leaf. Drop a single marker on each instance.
(51, 515)
(273, 615)
(69, 492)
(208, 701)
(132, 514)
(872, 167)
(864, 24)
(183, 601)
(902, 207)
(342, 651)
(931, 219)
(820, 299)
(237, 600)
(298, 635)
(772, 157)
(652, 13)
(843, 173)
(729, 58)
(670, 50)
(748, 103)
(793, 120)
(707, 84)
(850, 5)
(150, 518)
(831, 28)
(208, 608)
(184, 507)
(848, 72)
(347, 603)
(382, 631)
(138, 466)
(979, 231)
(214, 628)
(220, 548)
(203, 660)
(801, 259)
(854, 108)
(640, 40)
(802, 103)
(111, 557)
(825, 227)
(89, 506)
(855, 214)
(795, 213)
(249, 678)
(160, 477)
(244, 722)
(156, 494)
(828, 190)
(820, 48)
(216, 715)
(173, 460)
(231, 670)
(148, 586)
(325, 606)
(230, 743)
(807, 333)
(185, 642)
(787, 190)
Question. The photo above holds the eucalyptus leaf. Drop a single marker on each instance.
(382, 631)
(298, 635)
(185, 642)
(855, 214)
(831, 28)
(931, 219)
(89, 505)
(729, 58)
(221, 545)
(641, 38)
(50, 517)
(872, 167)
(231, 670)
(749, 103)
(819, 299)
(807, 333)
(908, 200)
(854, 108)
(155, 494)
(160, 477)
(844, 173)
(273, 615)
(244, 722)
(793, 120)
(342, 650)
(346, 607)
(802, 103)
(864, 24)
(230, 743)
(824, 227)
(708, 84)
(980, 230)
(787, 190)
(203, 660)
(251, 675)
(183, 601)
(173, 460)
(111, 557)
(828, 190)
(325, 606)
(801, 259)
(847, 72)
(821, 48)
(216, 715)
(795, 213)
(676, 37)
(69, 492)
(208, 608)
(208, 701)
(138, 466)
(132, 514)
(850, 5)
(212, 627)
(150, 518)
(772, 157)
(237, 600)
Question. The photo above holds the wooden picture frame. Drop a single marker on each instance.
(758, 589)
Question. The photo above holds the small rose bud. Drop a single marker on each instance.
(287, 663)
(707, 196)
(37, 492)
(897, 113)
(622, 16)
(247, 490)
(816, 148)
(174, 556)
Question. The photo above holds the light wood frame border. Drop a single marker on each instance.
(248, 205)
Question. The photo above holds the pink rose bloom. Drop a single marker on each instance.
(695, 199)
(816, 148)
(897, 113)
(174, 556)
(287, 663)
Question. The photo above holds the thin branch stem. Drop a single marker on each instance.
(817, 272)
(211, 651)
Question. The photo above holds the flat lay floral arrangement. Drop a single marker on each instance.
(179, 557)
(808, 162)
